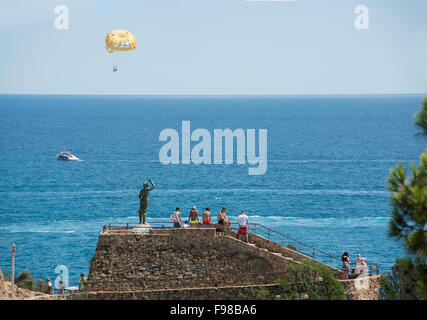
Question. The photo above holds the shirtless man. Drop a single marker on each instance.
(222, 218)
(206, 216)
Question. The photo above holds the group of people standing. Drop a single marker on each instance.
(62, 285)
(193, 218)
(361, 266)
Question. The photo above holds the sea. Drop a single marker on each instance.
(325, 184)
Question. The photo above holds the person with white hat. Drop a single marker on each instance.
(194, 216)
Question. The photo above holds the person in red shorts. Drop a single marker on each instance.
(243, 223)
(206, 216)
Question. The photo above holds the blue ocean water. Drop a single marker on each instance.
(328, 158)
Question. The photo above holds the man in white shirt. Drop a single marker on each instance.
(243, 223)
(176, 217)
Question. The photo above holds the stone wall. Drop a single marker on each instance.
(179, 258)
(367, 288)
(194, 263)
(188, 294)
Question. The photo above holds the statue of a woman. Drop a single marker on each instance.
(143, 197)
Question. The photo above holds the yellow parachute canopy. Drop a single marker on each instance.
(120, 40)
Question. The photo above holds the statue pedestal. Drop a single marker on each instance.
(142, 228)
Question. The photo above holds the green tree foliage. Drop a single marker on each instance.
(408, 279)
(409, 200)
(310, 280)
(421, 118)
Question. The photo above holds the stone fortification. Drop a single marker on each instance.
(179, 258)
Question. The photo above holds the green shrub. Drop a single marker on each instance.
(23, 280)
(310, 281)
(306, 281)
(406, 280)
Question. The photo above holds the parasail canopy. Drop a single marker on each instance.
(120, 40)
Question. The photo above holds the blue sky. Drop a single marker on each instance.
(215, 47)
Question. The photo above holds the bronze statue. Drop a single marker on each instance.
(143, 197)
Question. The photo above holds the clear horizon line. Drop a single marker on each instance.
(216, 94)
(270, 0)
